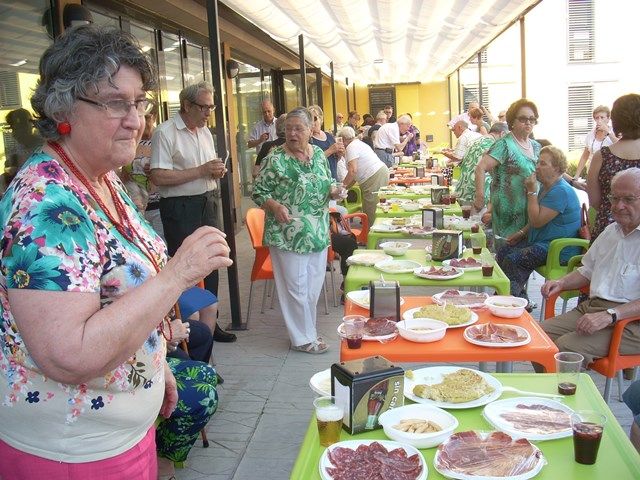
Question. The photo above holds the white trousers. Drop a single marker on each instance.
(299, 278)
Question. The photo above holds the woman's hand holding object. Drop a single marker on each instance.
(531, 183)
(201, 252)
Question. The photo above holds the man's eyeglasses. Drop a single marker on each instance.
(531, 120)
(626, 199)
(121, 108)
(205, 108)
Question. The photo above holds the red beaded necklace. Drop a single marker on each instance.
(123, 225)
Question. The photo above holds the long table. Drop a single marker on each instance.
(375, 236)
(359, 276)
(453, 347)
(454, 209)
(617, 459)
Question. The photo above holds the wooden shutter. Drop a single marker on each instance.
(380, 98)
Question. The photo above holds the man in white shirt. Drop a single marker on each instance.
(611, 267)
(366, 168)
(388, 139)
(184, 166)
(465, 139)
(465, 116)
(265, 129)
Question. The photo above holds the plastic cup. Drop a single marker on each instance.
(466, 211)
(329, 419)
(568, 365)
(339, 140)
(477, 243)
(475, 228)
(487, 269)
(354, 330)
(587, 428)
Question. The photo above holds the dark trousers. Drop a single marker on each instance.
(181, 216)
(343, 245)
(200, 343)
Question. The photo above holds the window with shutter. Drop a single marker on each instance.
(581, 31)
(580, 114)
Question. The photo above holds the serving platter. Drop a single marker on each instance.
(325, 463)
(408, 315)
(383, 227)
(368, 259)
(434, 375)
(369, 338)
(422, 272)
(321, 382)
(397, 266)
(479, 304)
(542, 411)
(483, 343)
(474, 268)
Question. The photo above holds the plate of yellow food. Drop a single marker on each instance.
(452, 315)
(451, 387)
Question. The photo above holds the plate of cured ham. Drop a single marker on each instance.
(468, 264)
(534, 418)
(438, 273)
(461, 298)
(368, 458)
(498, 335)
(474, 455)
(375, 329)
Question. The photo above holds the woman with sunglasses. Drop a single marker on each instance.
(625, 153)
(510, 160)
(327, 142)
(86, 284)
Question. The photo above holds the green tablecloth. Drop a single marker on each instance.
(617, 459)
(373, 237)
(359, 276)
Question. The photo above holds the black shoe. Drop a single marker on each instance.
(220, 335)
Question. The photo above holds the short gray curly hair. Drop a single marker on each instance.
(190, 93)
(303, 114)
(76, 63)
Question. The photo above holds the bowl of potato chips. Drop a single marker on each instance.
(423, 426)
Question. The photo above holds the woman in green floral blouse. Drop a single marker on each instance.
(294, 189)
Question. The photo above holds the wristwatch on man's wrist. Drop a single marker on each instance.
(614, 315)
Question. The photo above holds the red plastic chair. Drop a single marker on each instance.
(262, 268)
(612, 365)
(362, 233)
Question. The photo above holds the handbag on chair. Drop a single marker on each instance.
(584, 231)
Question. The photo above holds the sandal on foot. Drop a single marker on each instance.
(313, 347)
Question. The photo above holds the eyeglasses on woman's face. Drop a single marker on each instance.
(121, 108)
(531, 120)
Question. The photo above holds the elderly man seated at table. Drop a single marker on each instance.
(612, 267)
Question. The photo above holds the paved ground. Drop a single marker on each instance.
(265, 401)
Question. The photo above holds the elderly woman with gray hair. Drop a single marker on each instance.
(364, 167)
(294, 189)
(85, 281)
(553, 212)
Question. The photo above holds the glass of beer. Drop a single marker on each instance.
(329, 417)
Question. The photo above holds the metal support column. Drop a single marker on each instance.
(225, 182)
(333, 99)
(523, 59)
(303, 70)
(480, 100)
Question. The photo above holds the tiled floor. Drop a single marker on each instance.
(265, 401)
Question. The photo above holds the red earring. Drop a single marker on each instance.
(64, 128)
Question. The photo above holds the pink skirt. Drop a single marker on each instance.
(139, 463)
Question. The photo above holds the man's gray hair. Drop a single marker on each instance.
(346, 133)
(191, 93)
(381, 115)
(499, 127)
(633, 172)
(76, 64)
(404, 119)
(280, 121)
(303, 114)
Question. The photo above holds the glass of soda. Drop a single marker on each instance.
(587, 428)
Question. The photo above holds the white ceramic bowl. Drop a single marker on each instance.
(395, 248)
(411, 206)
(506, 306)
(425, 412)
(436, 331)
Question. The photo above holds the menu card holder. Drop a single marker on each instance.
(433, 217)
(385, 299)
